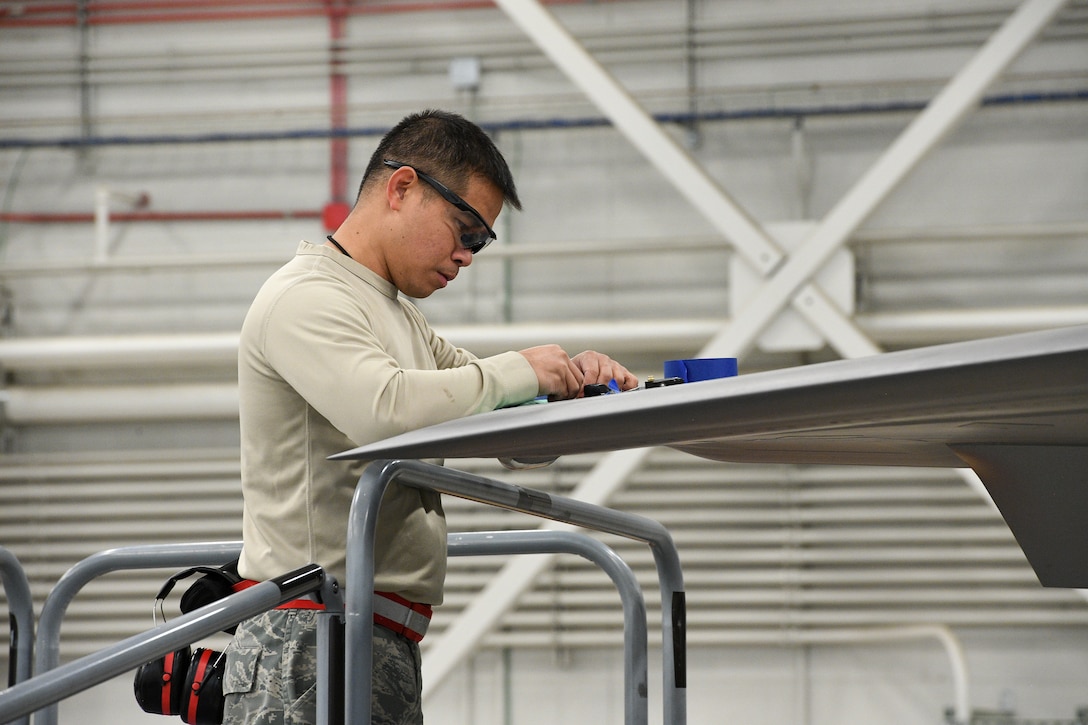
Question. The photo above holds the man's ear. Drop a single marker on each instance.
(396, 187)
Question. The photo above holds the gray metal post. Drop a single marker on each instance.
(21, 614)
(489, 543)
(360, 566)
(86, 672)
(359, 597)
(150, 556)
(330, 656)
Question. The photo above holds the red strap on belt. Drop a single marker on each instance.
(424, 610)
(293, 604)
(399, 627)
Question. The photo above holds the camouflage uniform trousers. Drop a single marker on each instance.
(271, 673)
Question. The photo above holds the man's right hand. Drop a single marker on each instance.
(557, 377)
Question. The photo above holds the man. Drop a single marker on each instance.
(332, 357)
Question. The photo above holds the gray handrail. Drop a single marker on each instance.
(362, 522)
(21, 610)
(568, 542)
(150, 556)
(463, 544)
(128, 654)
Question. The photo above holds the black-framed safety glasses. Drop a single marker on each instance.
(472, 241)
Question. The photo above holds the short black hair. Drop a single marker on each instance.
(446, 146)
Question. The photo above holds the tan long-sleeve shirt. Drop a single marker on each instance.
(331, 357)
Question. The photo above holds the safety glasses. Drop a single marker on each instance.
(472, 241)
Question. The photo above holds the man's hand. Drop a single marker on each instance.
(561, 377)
(556, 374)
(598, 368)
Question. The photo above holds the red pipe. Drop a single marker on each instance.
(122, 13)
(338, 105)
(115, 5)
(161, 18)
(154, 216)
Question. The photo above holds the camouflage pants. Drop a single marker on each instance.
(271, 673)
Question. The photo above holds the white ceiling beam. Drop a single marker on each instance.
(662, 150)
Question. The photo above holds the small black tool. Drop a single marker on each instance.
(663, 382)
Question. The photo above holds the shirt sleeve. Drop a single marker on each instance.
(337, 354)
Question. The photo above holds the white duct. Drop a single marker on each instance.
(641, 337)
(115, 403)
(122, 351)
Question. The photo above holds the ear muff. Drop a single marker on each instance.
(215, 584)
(202, 694)
(184, 682)
(159, 684)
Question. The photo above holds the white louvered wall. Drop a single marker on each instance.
(765, 549)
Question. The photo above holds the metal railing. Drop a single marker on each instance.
(635, 704)
(46, 688)
(362, 523)
(21, 615)
(52, 683)
(152, 556)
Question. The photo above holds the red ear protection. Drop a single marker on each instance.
(202, 695)
(183, 684)
(190, 685)
(159, 684)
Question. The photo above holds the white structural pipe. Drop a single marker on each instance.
(664, 336)
(930, 327)
(551, 249)
(117, 403)
(119, 351)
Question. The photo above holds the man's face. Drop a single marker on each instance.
(429, 255)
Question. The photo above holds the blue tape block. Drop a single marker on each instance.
(702, 368)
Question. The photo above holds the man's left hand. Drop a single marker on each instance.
(599, 369)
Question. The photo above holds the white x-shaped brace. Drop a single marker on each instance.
(786, 276)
